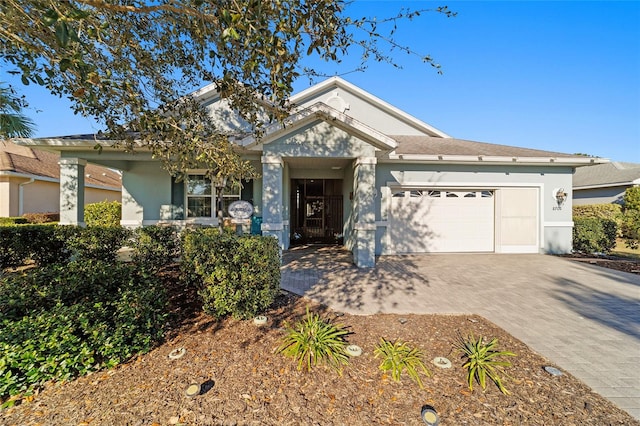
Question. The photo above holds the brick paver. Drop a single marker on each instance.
(583, 318)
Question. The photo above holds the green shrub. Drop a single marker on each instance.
(632, 198)
(8, 221)
(313, 341)
(44, 244)
(630, 228)
(591, 235)
(96, 242)
(481, 361)
(236, 275)
(11, 253)
(47, 244)
(155, 246)
(599, 211)
(104, 213)
(603, 211)
(61, 321)
(399, 356)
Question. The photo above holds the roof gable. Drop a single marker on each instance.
(322, 112)
(364, 107)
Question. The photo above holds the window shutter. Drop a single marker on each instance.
(177, 194)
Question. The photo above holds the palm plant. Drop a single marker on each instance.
(13, 124)
(481, 361)
(313, 341)
(399, 356)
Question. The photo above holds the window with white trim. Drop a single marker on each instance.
(230, 193)
(200, 196)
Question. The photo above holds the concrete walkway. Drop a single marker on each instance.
(583, 318)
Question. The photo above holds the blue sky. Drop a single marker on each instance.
(559, 76)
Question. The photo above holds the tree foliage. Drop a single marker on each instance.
(13, 123)
(632, 198)
(131, 64)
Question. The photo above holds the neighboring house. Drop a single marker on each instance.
(30, 181)
(347, 166)
(604, 183)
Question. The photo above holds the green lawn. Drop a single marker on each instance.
(622, 250)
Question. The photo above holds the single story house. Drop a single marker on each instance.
(604, 183)
(347, 166)
(30, 181)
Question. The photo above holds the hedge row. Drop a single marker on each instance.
(47, 244)
(6, 221)
(61, 321)
(235, 275)
(153, 246)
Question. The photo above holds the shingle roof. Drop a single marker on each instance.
(28, 161)
(607, 174)
(425, 145)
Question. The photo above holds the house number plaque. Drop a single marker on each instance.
(240, 210)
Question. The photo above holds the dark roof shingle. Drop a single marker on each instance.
(605, 174)
(426, 145)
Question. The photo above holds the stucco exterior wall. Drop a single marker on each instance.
(145, 187)
(96, 195)
(41, 196)
(555, 220)
(609, 195)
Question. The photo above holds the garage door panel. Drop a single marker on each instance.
(460, 222)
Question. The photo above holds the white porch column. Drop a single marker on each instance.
(364, 193)
(272, 188)
(72, 191)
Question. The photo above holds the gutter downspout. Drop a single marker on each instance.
(21, 195)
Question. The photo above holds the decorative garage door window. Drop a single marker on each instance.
(443, 194)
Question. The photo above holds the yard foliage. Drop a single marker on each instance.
(594, 235)
(592, 230)
(133, 65)
(74, 308)
(64, 320)
(600, 211)
(48, 244)
(103, 213)
(632, 198)
(235, 275)
(155, 246)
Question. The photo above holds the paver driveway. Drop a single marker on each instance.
(583, 318)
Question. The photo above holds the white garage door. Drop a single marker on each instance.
(433, 221)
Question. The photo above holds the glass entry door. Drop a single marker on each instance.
(316, 211)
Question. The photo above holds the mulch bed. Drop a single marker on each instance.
(245, 383)
(607, 261)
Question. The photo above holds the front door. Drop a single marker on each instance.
(316, 211)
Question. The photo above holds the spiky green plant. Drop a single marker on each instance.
(399, 356)
(481, 361)
(313, 341)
